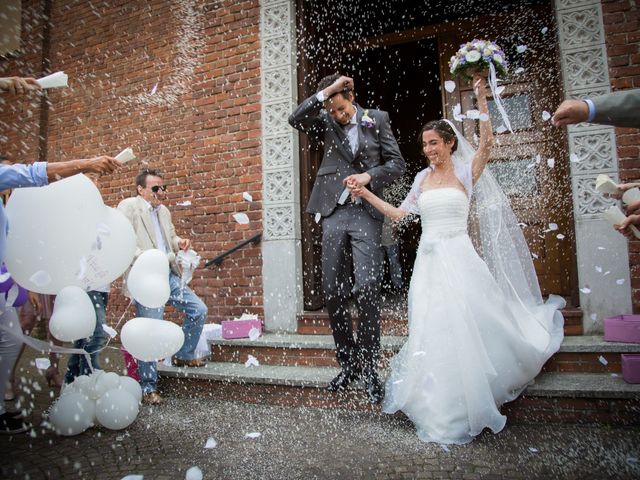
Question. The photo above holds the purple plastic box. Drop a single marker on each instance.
(622, 328)
(631, 367)
(239, 328)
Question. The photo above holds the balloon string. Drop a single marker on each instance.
(493, 83)
(117, 325)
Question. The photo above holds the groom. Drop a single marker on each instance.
(359, 149)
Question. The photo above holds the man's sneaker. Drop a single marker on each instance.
(9, 424)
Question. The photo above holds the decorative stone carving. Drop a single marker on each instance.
(564, 4)
(276, 20)
(595, 151)
(589, 202)
(277, 152)
(278, 186)
(579, 28)
(276, 52)
(275, 118)
(276, 83)
(585, 68)
(278, 222)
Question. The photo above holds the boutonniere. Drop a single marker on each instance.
(367, 121)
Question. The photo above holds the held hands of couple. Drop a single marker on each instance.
(356, 183)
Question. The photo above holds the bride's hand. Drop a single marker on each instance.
(479, 84)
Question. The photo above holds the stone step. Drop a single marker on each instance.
(554, 397)
(588, 354)
(394, 322)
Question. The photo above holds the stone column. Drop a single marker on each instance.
(602, 254)
(281, 243)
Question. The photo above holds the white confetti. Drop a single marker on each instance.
(620, 281)
(444, 447)
(603, 360)
(598, 269)
(538, 158)
(530, 166)
(419, 354)
(551, 162)
(593, 317)
(560, 236)
(473, 114)
(457, 113)
(109, 330)
(522, 225)
(153, 90)
(40, 278)
(585, 290)
(396, 382)
(544, 30)
(449, 86)
(251, 362)
(318, 217)
(533, 450)
(606, 273)
(632, 460)
(194, 473)
(484, 117)
(500, 89)
(546, 115)
(186, 203)
(501, 129)
(521, 48)
(252, 435)
(614, 375)
(247, 196)
(519, 70)
(601, 248)
(573, 158)
(133, 477)
(241, 218)
(534, 256)
(211, 443)
(553, 227)
(43, 363)
(254, 334)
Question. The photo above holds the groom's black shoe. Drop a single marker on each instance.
(375, 390)
(343, 379)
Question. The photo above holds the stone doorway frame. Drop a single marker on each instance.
(585, 72)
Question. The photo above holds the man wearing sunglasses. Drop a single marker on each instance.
(154, 228)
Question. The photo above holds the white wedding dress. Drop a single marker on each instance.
(470, 348)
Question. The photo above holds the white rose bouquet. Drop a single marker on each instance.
(477, 55)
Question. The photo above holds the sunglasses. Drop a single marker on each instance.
(155, 188)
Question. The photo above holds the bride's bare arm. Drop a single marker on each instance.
(486, 130)
(383, 207)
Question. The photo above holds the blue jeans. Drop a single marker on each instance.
(93, 345)
(195, 315)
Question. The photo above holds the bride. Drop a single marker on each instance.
(479, 332)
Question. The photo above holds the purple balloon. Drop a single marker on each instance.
(6, 285)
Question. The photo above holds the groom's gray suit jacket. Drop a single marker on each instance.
(377, 154)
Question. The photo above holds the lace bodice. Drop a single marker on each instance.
(443, 212)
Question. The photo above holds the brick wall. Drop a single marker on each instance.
(622, 29)
(201, 127)
(20, 116)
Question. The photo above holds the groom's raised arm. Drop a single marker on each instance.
(307, 118)
(392, 164)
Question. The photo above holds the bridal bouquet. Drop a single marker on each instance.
(477, 55)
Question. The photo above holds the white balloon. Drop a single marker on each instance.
(194, 473)
(148, 339)
(52, 229)
(72, 414)
(112, 250)
(148, 280)
(106, 382)
(73, 315)
(116, 409)
(131, 386)
(80, 384)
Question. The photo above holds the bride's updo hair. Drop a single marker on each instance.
(443, 129)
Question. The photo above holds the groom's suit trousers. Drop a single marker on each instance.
(351, 233)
